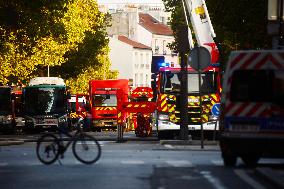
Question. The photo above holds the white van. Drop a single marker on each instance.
(252, 107)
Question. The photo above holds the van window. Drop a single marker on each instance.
(252, 86)
(278, 88)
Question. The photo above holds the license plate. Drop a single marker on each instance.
(50, 121)
(244, 128)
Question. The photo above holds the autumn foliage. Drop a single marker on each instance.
(68, 36)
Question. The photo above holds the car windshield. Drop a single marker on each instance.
(104, 100)
(5, 101)
(171, 83)
(45, 100)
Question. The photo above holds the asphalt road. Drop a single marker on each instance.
(133, 164)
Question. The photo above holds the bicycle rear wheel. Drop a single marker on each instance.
(86, 149)
(47, 148)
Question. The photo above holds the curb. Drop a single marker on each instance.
(188, 142)
(11, 142)
(272, 176)
(110, 139)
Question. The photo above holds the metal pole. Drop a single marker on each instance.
(119, 132)
(215, 128)
(281, 25)
(183, 100)
(47, 71)
(200, 98)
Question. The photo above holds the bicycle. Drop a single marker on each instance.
(49, 146)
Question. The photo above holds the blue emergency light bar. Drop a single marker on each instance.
(164, 64)
(157, 63)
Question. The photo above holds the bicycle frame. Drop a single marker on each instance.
(71, 138)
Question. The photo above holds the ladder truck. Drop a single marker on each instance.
(167, 80)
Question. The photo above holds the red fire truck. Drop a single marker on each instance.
(103, 102)
(141, 121)
(167, 94)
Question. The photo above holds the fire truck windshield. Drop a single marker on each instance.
(208, 83)
(172, 83)
(45, 100)
(5, 99)
(104, 100)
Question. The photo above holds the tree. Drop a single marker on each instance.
(69, 36)
(238, 24)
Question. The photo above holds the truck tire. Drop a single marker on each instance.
(161, 135)
(250, 160)
(165, 135)
(229, 158)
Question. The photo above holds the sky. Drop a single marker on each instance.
(130, 1)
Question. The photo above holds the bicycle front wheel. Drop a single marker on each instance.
(86, 149)
(47, 148)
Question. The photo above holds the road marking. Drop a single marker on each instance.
(168, 146)
(217, 162)
(133, 162)
(214, 181)
(270, 161)
(2, 164)
(34, 163)
(180, 163)
(244, 176)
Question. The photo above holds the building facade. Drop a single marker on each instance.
(132, 60)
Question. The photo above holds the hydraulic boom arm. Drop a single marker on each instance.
(202, 26)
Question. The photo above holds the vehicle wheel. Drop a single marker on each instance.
(165, 135)
(86, 149)
(250, 160)
(161, 135)
(229, 160)
(47, 148)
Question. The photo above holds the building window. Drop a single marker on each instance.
(164, 47)
(141, 79)
(146, 80)
(136, 60)
(156, 47)
(141, 60)
(147, 61)
(136, 80)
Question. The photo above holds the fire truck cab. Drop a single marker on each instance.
(168, 96)
(103, 102)
(167, 80)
